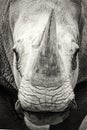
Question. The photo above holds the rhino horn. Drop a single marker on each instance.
(49, 35)
(48, 60)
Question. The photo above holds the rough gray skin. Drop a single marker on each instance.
(6, 76)
(8, 93)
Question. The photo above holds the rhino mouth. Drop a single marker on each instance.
(46, 117)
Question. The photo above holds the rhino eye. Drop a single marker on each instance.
(16, 54)
(76, 52)
(74, 61)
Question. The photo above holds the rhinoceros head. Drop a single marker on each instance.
(46, 40)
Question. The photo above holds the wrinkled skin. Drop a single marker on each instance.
(46, 40)
(10, 120)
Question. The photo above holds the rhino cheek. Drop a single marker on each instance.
(17, 76)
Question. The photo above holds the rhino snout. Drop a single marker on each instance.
(45, 117)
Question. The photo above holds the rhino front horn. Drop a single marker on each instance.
(49, 38)
(48, 61)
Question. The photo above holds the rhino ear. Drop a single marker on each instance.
(6, 74)
(83, 46)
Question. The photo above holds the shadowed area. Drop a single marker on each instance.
(8, 116)
(74, 120)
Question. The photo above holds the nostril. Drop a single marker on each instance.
(73, 105)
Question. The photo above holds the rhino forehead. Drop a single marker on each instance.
(28, 23)
(30, 7)
(31, 32)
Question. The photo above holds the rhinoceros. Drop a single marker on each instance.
(42, 58)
